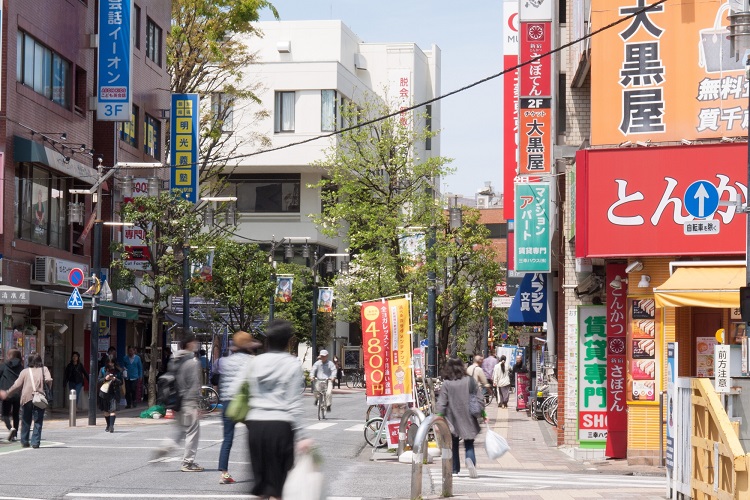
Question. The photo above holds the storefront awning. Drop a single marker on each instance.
(114, 310)
(702, 287)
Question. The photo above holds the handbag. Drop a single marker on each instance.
(39, 399)
(495, 445)
(475, 404)
(240, 404)
(305, 480)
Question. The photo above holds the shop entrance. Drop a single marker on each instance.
(706, 321)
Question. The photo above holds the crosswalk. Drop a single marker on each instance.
(339, 426)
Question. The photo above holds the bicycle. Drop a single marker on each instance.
(354, 380)
(376, 433)
(209, 399)
(549, 410)
(489, 395)
(320, 398)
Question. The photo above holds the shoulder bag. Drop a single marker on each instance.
(39, 399)
(475, 404)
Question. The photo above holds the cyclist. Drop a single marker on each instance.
(323, 369)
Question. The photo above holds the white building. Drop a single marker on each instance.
(305, 68)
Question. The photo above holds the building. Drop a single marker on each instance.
(50, 141)
(306, 71)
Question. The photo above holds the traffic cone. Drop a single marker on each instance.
(169, 414)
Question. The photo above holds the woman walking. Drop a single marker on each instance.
(453, 404)
(75, 374)
(30, 381)
(9, 372)
(110, 381)
(501, 379)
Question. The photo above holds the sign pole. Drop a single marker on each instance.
(97, 270)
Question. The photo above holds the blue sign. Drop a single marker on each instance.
(423, 343)
(75, 301)
(701, 199)
(184, 145)
(113, 82)
(529, 306)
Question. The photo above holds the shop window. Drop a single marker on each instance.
(129, 130)
(41, 210)
(151, 136)
(42, 69)
(265, 193)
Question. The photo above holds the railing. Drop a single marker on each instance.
(720, 465)
(443, 434)
(404, 429)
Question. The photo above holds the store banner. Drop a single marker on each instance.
(671, 401)
(386, 340)
(666, 74)
(137, 254)
(535, 143)
(114, 96)
(633, 201)
(529, 306)
(617, 408)
(536, 77)
(510, 104)
(532, 229)
(284, 284)
(644, 352)
(537, 10)
(592, 374)
(325, 300)
(184, 145)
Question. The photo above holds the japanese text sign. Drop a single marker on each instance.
(672, 363)
(510, 104)
(184, 145)
(113, 83)
(617, 408)
(537, 10)
(386, 341)
(400, 90)
(532, 242)
(664, 74)
(536, 77)
(535, 136)
(592, 373)
(644, 352)
(722, 381)
(632, 201)
(137, 253)
(529, 306)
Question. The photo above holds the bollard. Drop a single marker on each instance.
(443, 435)
(72, 410)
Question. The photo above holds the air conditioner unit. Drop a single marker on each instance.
(360, 62)
(589, 285)
(482, 202)
(45, 271)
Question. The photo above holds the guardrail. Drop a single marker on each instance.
(443, 435)
(403, 430)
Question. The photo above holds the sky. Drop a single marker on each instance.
(469, 37)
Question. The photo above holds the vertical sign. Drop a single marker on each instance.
(535, 139)
(537, 10)
(592, 374)
(386, 340)
(184, 145)
(644, 351)
(137, 254)
(113, 83)
(536, 77)
(401, 92)
(532, 239)
(671, 397)
(617, 416)
(510, 104)
(722, 381)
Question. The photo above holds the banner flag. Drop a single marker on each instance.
(325, 300)
(284, 288)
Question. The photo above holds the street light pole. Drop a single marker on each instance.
(97, 271)
(185, 286)
(431, 299)
(314, 329)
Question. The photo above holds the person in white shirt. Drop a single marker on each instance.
(323, 369)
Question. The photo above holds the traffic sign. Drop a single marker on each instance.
(502, 302)
(75, 301)
(701, 199)
(75, 277)
(501, 289)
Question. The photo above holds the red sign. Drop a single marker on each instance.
(535, 144)
(617, 408)
(75, 277)
(501, 289)
(593, 421)
(630, 201)
(510, 106)
(536, 78)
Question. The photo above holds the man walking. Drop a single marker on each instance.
(187, 370)
(323, 369)
(133, 375)
(475, 371)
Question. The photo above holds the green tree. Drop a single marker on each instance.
(169, 223)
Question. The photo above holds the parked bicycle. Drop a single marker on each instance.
(355, 379)
(376, 433)
(549, 410)
(209, 399)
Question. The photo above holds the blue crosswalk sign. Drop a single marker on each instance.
(75, 301)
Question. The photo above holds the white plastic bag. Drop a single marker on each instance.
(495, 444)
(305, 481)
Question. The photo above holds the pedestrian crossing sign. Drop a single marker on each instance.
(75, 301)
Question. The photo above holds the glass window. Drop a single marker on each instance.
(129, 130)
(222, 107)
(137, 26)
(153, 41)
(328, 110)
(151, 136)
(43, 70)
(41, 215)
(284, 112)
(19, 56)
(266, 193)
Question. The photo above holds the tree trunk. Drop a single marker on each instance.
(155, 358)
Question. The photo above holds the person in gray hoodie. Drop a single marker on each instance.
(276, 383)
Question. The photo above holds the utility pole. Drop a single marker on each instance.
(97, 272)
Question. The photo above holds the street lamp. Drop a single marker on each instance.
(288, 254)
(314, 334)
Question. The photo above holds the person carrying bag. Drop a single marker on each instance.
(33, 382)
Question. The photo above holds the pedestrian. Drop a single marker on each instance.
(30, 381)
(501, 379)
(232, 370)
(9, 372)
(75, 374)
(112, 354)
(339, 372)
(187, 370)
(110, 382)
(275, 410)
(488, 365)
(453, 404)
(477, 373)
(133, 374)
(102, 361)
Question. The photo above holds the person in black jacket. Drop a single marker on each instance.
(75, 374)
(9, 372)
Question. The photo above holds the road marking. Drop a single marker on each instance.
(356, 428)
(19, 498)
(541, 480)
(151, 495)
(320, 426)
(201, 440)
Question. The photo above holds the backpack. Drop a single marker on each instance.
(167, 394)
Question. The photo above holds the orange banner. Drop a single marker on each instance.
(386, 342)
(666, 74)
(535, 130)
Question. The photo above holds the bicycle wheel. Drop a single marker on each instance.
(372, 412)
(349, 381)
(548, 407)
(321, 406)
(362, 383)
(209, 399)
(375, 433)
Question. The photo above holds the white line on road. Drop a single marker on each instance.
(320, 426)
(355, 428)
(19, 498)
(151, 495)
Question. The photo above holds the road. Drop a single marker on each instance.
(86, 462)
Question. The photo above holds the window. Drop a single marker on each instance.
(79, 100)
(222, 107)
(43, 70)
(561, 104)
(129, 130)
(328, 111)
(265, 193)
(284, 115)
(428, 127)
(153, 41)
(41, 213)
(137, 26)
(151, 136)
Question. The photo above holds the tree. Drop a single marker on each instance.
(207, 53)
(169, 223)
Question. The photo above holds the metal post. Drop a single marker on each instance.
(94, 337)
(485, 328)
(72, 403)
(314, 333)
(431, 296)
(273, 288)
(186, 287)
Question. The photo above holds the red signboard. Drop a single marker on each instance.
(631, 201)
(535, 144)
(617, 408)
(536, 78)
(501, 289)
(510, 133)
